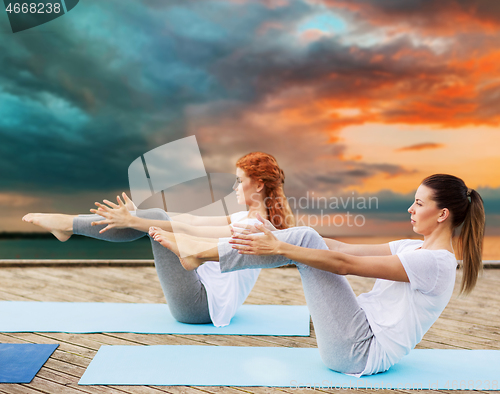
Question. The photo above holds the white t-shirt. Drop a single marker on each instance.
(400, 313)
(227, 291)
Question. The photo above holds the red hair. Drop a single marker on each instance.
(260, 166)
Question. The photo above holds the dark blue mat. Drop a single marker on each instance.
(20, 362)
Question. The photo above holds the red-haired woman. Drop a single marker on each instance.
(206, 295)
(372, 332)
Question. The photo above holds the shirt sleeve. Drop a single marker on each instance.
(395, 246)
(236, 217)
(400, 245)
(422, 269)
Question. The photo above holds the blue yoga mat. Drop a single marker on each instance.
(285, 367)
(20, 362)
(89, 317)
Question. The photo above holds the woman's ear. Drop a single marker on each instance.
(260, 185)
(445, 214)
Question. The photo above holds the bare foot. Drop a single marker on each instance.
(187, 248)
(61, 226)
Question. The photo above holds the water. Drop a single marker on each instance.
(79, 248)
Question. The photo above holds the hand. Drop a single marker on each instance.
(128, 202)
(251, 229)
(266, 244)
(115, 216)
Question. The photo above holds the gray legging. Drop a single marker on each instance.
(342, 331)
(186, 296)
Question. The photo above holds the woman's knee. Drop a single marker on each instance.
(338, 362)
(344, 356)
(190, 315)
(309, 238)
(152, 214)
(190, 319)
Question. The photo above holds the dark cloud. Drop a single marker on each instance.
(92, 93)
(434, 16)
(333, 180)
(421, 146)
(369, 77)
(489, 102)
(364, 171)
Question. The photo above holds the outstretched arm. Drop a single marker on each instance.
(358, 249)
(383, 267)
(118, 216)
(353, 249)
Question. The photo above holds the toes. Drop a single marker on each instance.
(164, 243)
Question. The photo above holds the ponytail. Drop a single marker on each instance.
(278, 210)
(466, 208)
(470, 242)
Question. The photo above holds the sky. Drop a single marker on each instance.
(355, 98)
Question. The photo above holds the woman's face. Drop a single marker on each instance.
(425, 215)
(248, 192)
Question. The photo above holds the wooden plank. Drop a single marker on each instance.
(99, 276)
(51, 387)
(129, 281)
(71, 382)
(17, 389)
(88, 289)
(20, 283)
(472, 330)
(55, 367)
(6, 296)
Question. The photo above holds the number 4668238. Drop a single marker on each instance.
(34, 8)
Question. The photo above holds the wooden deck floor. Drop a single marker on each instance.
(467, 323)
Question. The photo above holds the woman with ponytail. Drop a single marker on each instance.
(466, 208)
(207, 295)
(415, 278)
